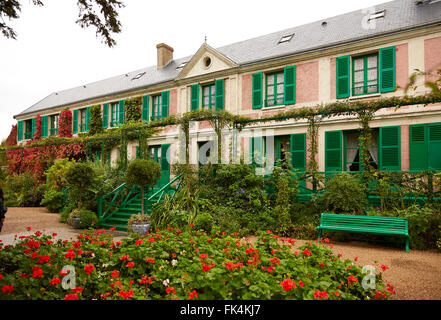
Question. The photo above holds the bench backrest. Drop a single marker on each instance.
(344, 220)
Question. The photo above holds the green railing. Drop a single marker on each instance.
(166, 189)
(118, 198)
(411, 186)
(64, 196)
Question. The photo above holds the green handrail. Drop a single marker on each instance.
(161, 191)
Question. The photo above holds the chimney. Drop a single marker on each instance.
(165, 54)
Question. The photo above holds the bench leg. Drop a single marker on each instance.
(319, 235)
(407, 244)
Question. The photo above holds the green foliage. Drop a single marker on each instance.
(55, 175)
(81, 178)
(95, 120)
(344, 194)
(176, 264)
(133, 109)
(143, 172)
(23, 191)
(423, 223)
(52, 200)
(87, 219)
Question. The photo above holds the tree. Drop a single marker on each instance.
(106, 23)
(143, 173)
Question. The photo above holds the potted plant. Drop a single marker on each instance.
(74, 219)
(139, 223)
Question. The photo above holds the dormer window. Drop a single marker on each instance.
(286, 38)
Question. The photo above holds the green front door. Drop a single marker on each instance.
(160, 154)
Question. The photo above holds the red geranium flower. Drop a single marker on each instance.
(150, 260)
(115, 273)
(170, 290)
(37, 272)
(71, 296)
(306, 252)
(89, 268)
(192, 294)
(139, 241)
(6, 289)
(55, 281)
(44, 259)
(130, 264)
(384, 267)
(288, 284)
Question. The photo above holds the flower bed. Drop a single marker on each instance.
(170, 264)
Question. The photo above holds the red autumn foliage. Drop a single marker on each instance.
(37, 159)
(37, 133)
(65, 124)
(12, 138)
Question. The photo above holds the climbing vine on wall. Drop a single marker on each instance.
(65, 124)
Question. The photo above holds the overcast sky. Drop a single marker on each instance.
(53, 53)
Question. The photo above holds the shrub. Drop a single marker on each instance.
(52, 200)
(81, 177)
(55, 175)
(204, 222)
(133, 109)
(143, 172)
(86, 220)
(171, 264)
(23, 191)
(423, 225)
(344, 194)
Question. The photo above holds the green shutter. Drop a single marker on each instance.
(298, 151)
(219, 93)
(75, 121)
(44, 126)
(342, 77)
(33, 127)
(256, 151)
(257, 90)
(390, 150)
(164, 104)
(20, 130)
(434, 149)
(145, 108)
(87, 118)
(333, 151)
(290, 85)
(105, 115)
(387, 69)
(418, 147)
(194, 97)
(121, 112)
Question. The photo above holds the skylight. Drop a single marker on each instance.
(139, 75)
(377, 15)
(286, 38)
(182, 65)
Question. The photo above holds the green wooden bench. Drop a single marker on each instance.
(364, 224)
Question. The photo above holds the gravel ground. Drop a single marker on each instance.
(416, 275)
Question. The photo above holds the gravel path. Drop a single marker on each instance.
(416, 275)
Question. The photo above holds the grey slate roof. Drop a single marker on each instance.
(400, 15)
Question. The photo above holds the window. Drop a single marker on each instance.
(208, 97)
(28, 129)
(114, 114)
(156, 107)
(371, 73)
(54, 125)
(377, 15)
(286, 38)
(83, 126)
(365, 75)
(351, 153)
(275, 89)
(139, 75)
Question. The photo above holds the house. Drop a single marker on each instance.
(359, 56)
